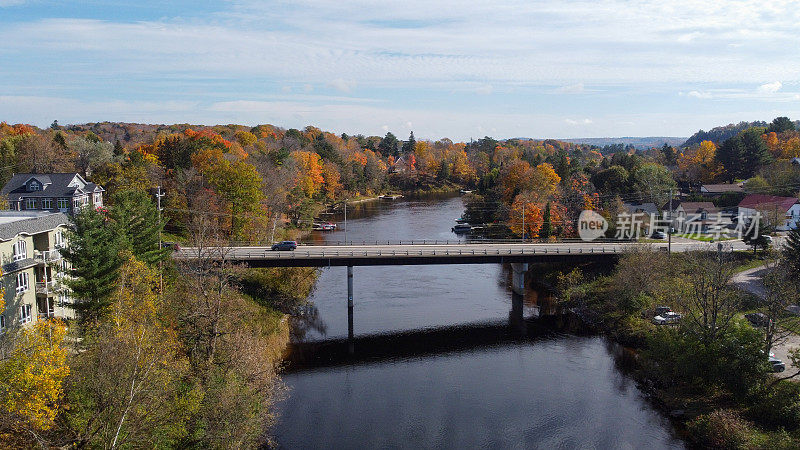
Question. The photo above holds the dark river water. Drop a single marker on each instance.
(444, 359)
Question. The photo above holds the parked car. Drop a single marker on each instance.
(661, 310)
(667, 318)
(284, 245)
(658, 235)
(757, 319)
(777, 364)
(174, 246)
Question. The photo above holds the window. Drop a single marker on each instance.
(30, 203)
(35, 186)
(47, 203)
(58, 239)
(63, 299)
(25, 313)
(76, 203)
(22, 282)
(63, 203)
(20, 250)
(98, 199)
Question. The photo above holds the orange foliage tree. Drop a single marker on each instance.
(309, 176)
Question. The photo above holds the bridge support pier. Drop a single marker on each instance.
(518, 277)
(516, 318)
(351, 345)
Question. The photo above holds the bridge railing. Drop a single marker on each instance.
(242, 254)
(438, 242)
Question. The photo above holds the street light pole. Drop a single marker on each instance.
(669, 225)
(523, 222)
(345, 222)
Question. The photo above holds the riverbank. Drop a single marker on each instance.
(719, 393)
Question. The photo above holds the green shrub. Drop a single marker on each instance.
(722, 429)
(778, 407)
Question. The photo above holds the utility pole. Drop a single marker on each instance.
(523, 222)
(345, 222)
(669, 225)
(160, 271)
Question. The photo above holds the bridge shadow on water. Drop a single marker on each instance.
(387, 347)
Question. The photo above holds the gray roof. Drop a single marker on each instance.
(649, 208)
(29, 225)
(56, 185)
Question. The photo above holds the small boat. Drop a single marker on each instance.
(325, 226)
(461, 219)
(465, 191)
(461, 228)
(390, 197)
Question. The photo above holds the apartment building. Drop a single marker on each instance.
(32, 267)
(55, 192)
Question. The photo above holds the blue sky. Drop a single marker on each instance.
(442, 69)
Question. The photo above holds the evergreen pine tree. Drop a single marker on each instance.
(137, 224)
(547, 227)
(93, 254)
(791, 253)
(388, 145)
(410, 144)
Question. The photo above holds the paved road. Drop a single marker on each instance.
(751, 281)
(449, 251)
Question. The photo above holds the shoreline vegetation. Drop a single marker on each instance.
(710, 377)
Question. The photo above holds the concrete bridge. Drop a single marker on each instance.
(519, 255)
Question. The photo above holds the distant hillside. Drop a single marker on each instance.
(641, 143)
(720, 134)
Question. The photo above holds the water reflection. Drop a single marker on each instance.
(447, 356)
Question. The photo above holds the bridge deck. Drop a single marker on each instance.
(377, 255)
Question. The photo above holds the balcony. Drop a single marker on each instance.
(46, 257)
(46, 287)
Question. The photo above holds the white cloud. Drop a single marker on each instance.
(576, 88)
(342, 85)
(700, 94)
(770, 88)
(485, 89)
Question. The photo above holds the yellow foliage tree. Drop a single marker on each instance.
(699, 164)
(332, 177)
(133, 366)
(31, 379)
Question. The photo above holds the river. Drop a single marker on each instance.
(440, 361)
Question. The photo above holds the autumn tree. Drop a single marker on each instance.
(309, 176)
(32, 372)
(526, 216)
(128, 389)
(331, 177)
(240, 185)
